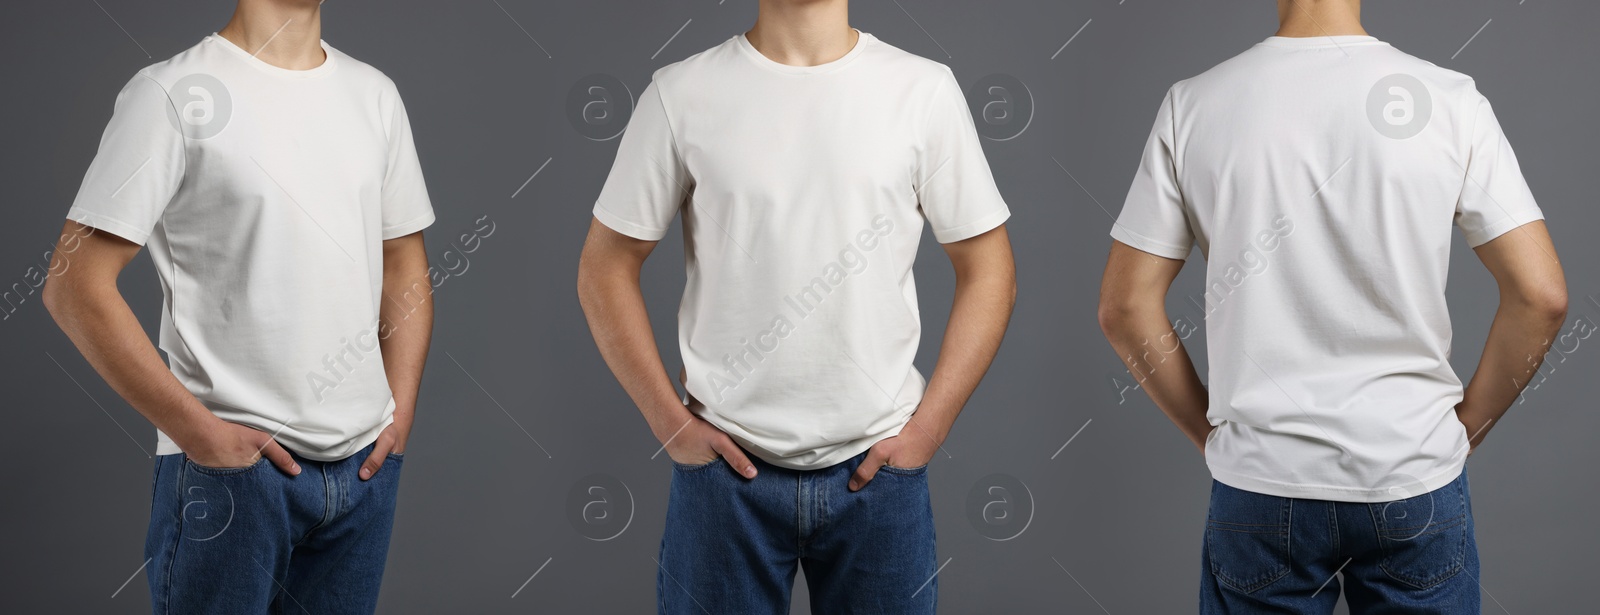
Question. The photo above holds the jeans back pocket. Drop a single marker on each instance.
(1424, 538)
(1247, 538)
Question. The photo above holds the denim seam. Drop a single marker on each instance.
(177, 540)
(1333, 524)
(904, 471)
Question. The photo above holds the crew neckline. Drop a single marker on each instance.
(1312, 42)
(329, 62)
(863, 40)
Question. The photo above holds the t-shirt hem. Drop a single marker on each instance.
(636, 231)
(974, 228)
(109, 224)
(1505, 225)
(1335, 493)
(408, 227)
(1145, 244)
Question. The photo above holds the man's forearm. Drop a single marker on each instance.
(1520, 336)
(405, 321)
(1155, 356)
(614, 305)
(100, 323)
(978, 320)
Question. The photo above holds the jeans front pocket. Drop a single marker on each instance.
(686, 467)
(1247, 538)
(1424, 538)
(224, 471)
(921, 470)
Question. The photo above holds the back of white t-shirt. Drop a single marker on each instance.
(1320, 178)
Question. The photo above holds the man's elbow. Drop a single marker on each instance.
(1114, 316)
(1550, 304)
(57, 299)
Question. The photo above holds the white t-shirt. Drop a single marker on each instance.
(803, 192)
(1320, 178)
(264, 195)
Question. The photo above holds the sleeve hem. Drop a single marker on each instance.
(395, 231)
(1505, 225)
(974, 228)
(109, 224)
(636, 231)
(1146, 244)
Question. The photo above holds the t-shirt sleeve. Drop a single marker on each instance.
(954, 185)
(1494, 196)
(648, 181)
(406, 207)
(138, 167)
(1153, 217)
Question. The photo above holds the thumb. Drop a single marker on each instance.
(735, 456)
(374, 462)
(280, 457)
(868, 469)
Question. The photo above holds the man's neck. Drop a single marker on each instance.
(1306, 18)
(283, 33)
(803, 32)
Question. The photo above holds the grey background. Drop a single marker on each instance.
(1117, 514)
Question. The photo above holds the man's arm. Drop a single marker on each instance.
(84, 300)
(608, 289)
(1533, 306)
(405, 329)
(986, 290)
(1133, 315)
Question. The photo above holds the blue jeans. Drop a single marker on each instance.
(256, 540)
(1267, 554)
(731, 545)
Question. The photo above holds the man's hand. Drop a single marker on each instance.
(700, 443)
(913, 448)
(231, 445)
(391, 440)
